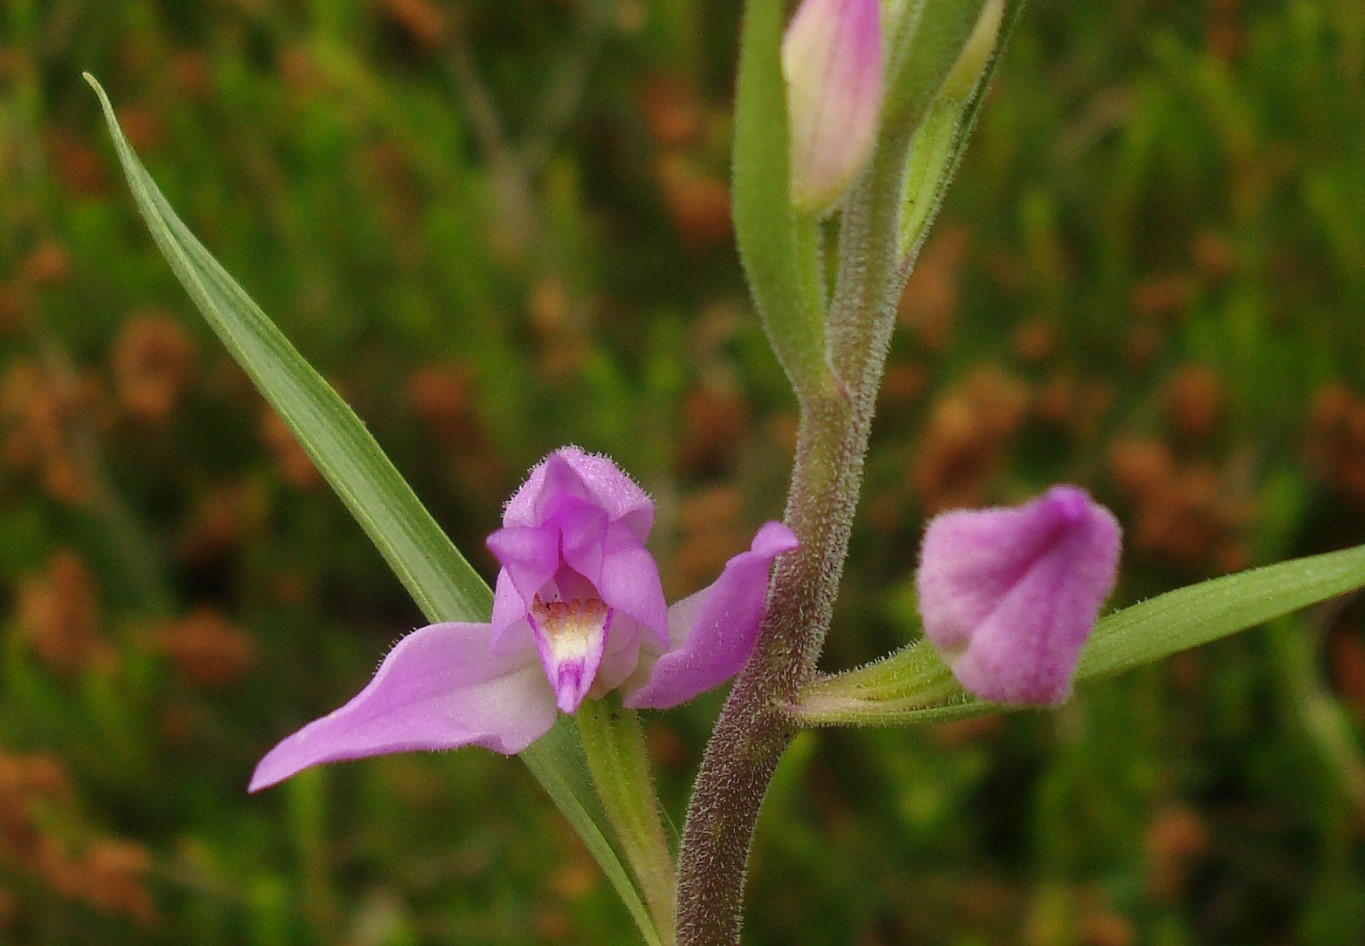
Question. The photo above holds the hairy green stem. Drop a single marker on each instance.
(615, 748)
(754, 729)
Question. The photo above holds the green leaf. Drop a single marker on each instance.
(928, 170)
(437, 576)
(615, 748)
(778, 247)
(923, 49)
(1197, 614)
(913, 685)
(949, 117)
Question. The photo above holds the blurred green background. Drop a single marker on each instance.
(502, 226)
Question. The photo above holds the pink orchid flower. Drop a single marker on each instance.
(578, 611)
(1009, 595)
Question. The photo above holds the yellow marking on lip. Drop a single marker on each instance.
(572, 629)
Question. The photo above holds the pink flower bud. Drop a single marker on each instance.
(832, 60)
(1009, 595)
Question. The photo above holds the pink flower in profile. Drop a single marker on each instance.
(832, 62)
(578, 611)
(1009, 595)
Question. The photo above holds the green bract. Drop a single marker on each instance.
(779, 248)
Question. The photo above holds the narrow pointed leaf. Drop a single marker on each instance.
(1197, 614)
(434, 572)
(437, 576)
(922, 55)
(942, 138)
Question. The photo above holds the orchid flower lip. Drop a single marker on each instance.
(578, 610)
(570, 639)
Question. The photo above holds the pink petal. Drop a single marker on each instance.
(713, 631)
(441, 687)
(595, 479)
(577, 519)
(629, 582)
(529, 559)
(1009, 595)
(511, 633)
(620, 659)
(582, 531)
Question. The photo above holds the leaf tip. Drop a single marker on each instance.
(99, 91)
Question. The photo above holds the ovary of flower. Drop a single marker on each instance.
(578, 611)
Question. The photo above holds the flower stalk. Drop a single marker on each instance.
(615, 748)
(754, 729)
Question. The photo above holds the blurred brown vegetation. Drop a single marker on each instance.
(500, 227)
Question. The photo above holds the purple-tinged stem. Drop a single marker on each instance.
(754, 728)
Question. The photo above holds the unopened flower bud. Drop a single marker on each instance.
(1009, 595)
(832, 61)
